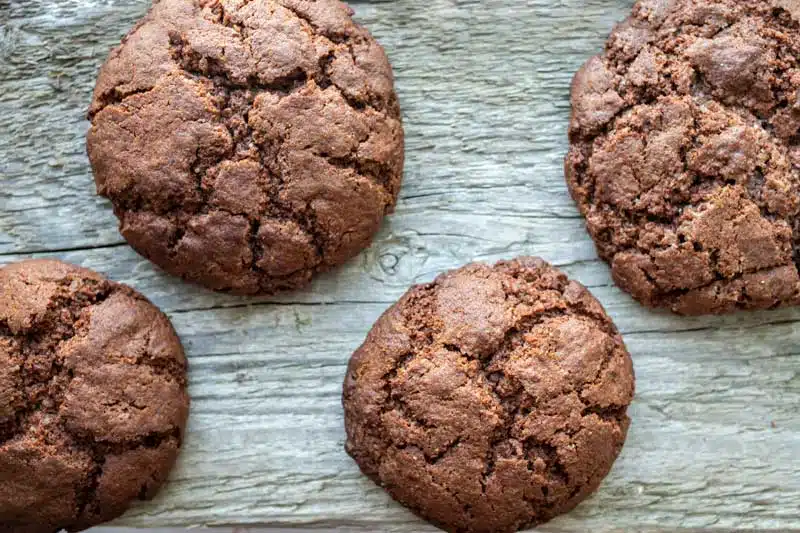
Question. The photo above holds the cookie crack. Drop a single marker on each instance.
(46, 392)
(225, 18)
(378, 173)
(796, 243)
(256, 249)
(665, 294)
(611, 413)
(305, 218)
(170, 368)
(489, 457)
(600, 370)
(421, 333)
(520, 405)
(540, 449)
(8, 427)
(390, 403)
(680, 292)
(357, 104)
(390, 375)
(514, 405)
(101, 450)
(445, 450)
(466, 506)
(343, 42)
(516, 332)
(113, 97)
(311, 25)
(87, 494)
(209, 70)
(150, 440)
(570, 309)
(199, 173)
(402, 408)
(429, 462)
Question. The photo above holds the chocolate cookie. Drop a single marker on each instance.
(684, 153)
(491, 399)
(93, 400)
(247, 144)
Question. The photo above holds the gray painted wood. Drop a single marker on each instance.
(715, 440)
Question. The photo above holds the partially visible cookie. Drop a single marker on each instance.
(684, 153)
(247, 145)
(491, 399)
(93, 400)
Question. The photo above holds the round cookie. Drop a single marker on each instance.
(93, 400)
(491, 399)
(684, 153)
(247, 144)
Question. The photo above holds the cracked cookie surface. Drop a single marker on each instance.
(491, 399)
(684, 153)
(93, 400)
(247, 144)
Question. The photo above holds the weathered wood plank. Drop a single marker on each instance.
(715, 439)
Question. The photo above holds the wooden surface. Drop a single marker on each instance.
(715, 440)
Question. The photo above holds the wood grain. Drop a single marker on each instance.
(715, 440)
